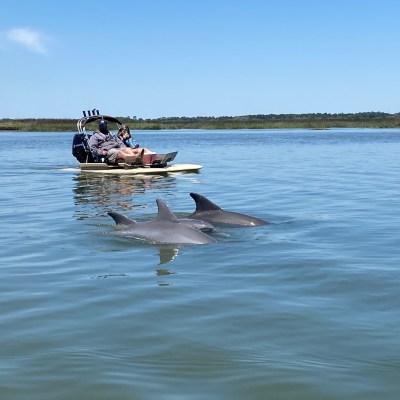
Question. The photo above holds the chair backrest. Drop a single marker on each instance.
(164, 158)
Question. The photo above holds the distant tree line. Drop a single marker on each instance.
(370, 119)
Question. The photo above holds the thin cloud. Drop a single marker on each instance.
(31, 40)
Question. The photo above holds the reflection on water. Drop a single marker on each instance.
(110, 276)
(96, 193)
(167, 253)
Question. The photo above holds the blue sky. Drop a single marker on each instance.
(160, 58)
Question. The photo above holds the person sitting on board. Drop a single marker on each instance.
(104, 144)
(124, 134)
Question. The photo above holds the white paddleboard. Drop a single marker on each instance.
(124, 169)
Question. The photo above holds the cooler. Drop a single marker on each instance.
(149, 157)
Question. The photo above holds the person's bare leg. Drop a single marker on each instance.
(130, 157)
(137, 151)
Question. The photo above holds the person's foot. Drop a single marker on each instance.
(140, 157)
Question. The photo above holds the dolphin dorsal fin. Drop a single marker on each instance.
(164, 212)
(203, 204)
(121, 219)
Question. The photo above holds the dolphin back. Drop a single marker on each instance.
(121, 219)
(164, 212)
(198, 224)
(203, 204)
(164, 229)
(207, 211)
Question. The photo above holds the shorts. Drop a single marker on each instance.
(112, 155)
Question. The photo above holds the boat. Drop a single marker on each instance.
(152, 163)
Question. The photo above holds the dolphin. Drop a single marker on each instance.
(207, 211)
(198, 224)
(165, 228)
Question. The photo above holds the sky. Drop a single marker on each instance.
(176, 58)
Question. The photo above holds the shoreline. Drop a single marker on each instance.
(325, 121)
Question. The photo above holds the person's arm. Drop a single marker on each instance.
(120, 142)
(94, 145)
(131, 143)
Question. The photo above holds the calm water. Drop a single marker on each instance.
(307, 307)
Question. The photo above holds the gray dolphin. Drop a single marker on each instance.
(198, 224)
(165, 228)
(207, 211)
